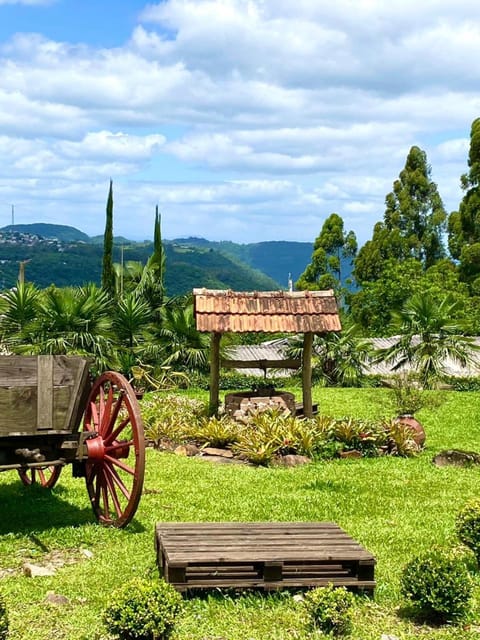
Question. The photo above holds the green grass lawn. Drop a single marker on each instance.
(395, 507)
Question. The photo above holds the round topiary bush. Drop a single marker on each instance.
(468, 526)
(3, 619)
(330, 609)
(143, 610)
(438, 584)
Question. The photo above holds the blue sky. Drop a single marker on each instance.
(244, 120)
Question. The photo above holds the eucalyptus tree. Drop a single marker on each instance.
(413, 223)
(464, 224)
(331, 246)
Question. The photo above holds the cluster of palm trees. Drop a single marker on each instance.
(132, 329)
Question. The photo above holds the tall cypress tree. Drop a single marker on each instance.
(108, 273)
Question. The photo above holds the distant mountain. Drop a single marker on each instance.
(58, 231)
(70, 257)
(277, 259)
(76, 263)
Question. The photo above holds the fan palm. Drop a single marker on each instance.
(73, 320)
(429, 337)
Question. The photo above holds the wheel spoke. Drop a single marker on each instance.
(119, 445)
(107, 413)
(113, 473)
(113, 494)
(113, 435)
(120, 464)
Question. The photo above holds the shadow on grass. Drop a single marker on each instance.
(423, 618)
(26, 509)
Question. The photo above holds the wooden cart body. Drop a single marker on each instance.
(42, 402)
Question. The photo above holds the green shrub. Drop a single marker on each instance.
(330, 609)
(468, 526)
(438, 584)
(215, 432)
(3, 619)
(143, 610)
(170, 417)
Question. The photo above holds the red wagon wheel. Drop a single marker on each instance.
(116, 455)
(44, 476)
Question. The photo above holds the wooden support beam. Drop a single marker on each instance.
(307, 375)
(45, 392)
(214, 373)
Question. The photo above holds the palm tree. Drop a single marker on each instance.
(429, 336)
(18, 308)
(338, 356)
(181, 345)
(72, 320)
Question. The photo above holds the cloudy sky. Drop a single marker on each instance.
(244, 120)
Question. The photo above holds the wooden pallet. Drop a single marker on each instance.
(268, 555)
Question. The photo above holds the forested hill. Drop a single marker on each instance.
(50, 260)
(277, 259)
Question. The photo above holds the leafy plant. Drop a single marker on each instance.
(143, 610)
(330, 609)
(216, 432)
(170, 417)
(3, 619)
(400, 439)
(438, 584)
(408, 393)
(468, 526)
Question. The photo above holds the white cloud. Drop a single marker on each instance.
(265, 115)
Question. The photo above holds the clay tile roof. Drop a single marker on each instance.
(268, 311)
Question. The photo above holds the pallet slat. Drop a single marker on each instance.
(261, 555)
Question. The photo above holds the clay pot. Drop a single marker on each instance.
(417, 428)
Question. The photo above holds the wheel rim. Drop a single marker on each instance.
(116, 456)
(45, 477)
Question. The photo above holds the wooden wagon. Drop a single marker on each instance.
(52, 414)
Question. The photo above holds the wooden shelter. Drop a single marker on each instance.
(307, 312)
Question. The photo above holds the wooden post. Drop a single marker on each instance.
(214, 373)
(307, 375)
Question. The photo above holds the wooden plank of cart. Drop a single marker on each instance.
(265, 555)
(52, 414)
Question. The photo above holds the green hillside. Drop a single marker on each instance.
(277, 259)
(59, 231)
(77, 263)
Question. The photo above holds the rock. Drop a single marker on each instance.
(353, 453)
(291, 460)
(56, 598)
(387, 636)
(212, 451)
(87, 553)
(457, 458)
(188, 450)
(36, 571)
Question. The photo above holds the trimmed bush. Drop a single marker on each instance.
(438, 584)
(3, 619)
(143, 610)
(330, 609)
(468, 526)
